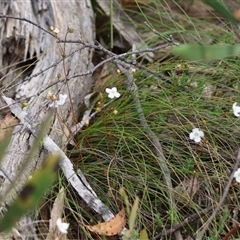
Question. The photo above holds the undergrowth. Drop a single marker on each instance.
(114, 151)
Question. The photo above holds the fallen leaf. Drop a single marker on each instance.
(7, 124)
(237, 14)
(186, 189)
(111, 227)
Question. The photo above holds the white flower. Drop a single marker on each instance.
(196, 135)
(112, 92)
(236, 110)
(237, 175)
(63, 227)
(61, 101)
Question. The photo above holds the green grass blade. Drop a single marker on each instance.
(213, 52)
(143, 235)
(221, 9)
(133, 214)
(28, 198)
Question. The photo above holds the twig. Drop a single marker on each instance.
(206, 225)
(2, 90)
(97, 46)
(87, 116)
(168, 39)
(231, 232)
(31, 22)
(153, 138)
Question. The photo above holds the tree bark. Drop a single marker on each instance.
(25, 56)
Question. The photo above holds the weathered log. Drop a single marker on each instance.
(24, 43)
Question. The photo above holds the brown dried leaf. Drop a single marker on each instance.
(186, 189)
(7, 125)
(111, 227)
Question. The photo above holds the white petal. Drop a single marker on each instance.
(237, 172)
(195, 130)
(191, 135)
(59, 221)
(238, 178)
(53, 104)
(108, 90)
(236, 111)
(114, 89)
(111, 95)
(117, 94)
(197, 139)
(63, 96)
(234, 105)
(201, 134)
(62, 226)
(62, 99)
(60, 102)
(237, 114)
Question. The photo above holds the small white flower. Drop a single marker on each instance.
(62, 226)
(236, 110)
(112, 92)
(196, 135)
(237, 175)
(61, 101)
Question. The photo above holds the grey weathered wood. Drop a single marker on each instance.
(21, 40)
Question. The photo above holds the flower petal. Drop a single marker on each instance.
(191, 135)
(114, 89)
(111, 95)
(62, 227)
(63, 96)
(53, 104)
(108, 90)
(234, 105)
(196, 135)
(201, 134)
(195, 130)
(236, 111)
(197, 139)
(117, 94)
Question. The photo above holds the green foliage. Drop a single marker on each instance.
(115, 151)
(133, 214)
(195, 52)
(143, 235)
